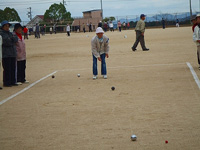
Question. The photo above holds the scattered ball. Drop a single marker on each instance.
(53, 76)
(78, 75)
(133, 137)
(113, 88)
(166, 142)
(125, 36)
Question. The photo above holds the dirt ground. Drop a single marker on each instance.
(156, 97)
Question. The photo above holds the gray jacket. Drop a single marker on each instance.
(100, 48)
(8, 46)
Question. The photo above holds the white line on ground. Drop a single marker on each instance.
(25, 89)
(31, 85)
(194, 74)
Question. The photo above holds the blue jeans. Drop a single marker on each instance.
(103, 65)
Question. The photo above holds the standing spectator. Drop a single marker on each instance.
(68, 30)
(90, 27)
(140, 29)
(0, 55)
(8, 55)
(21, 55)
(105, 26)
(50, 29)
(100, 24)
(128, 25)
(196, 38)
(54, 28)
(100, 50)
(194, 23)
(177, 23)
(37, 30)
(111, 26)
(25, 33)
(163, 23)
(119, 26)
(83, 27)
(124, 26)
(34, 30)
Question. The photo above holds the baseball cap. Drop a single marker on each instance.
(142, 15)
(99, 30)
(4, 23)
(18, 25)
(193, 18)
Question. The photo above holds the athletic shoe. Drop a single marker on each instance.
(94, 77)
(146, 49)
(105, 76)
(1, 88)
(15, 84)
(133, 49)
(25, 82)
(19, 83)
(199, 67)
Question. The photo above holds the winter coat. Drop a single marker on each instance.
(8, 46)
(99, 48)
(21, 49)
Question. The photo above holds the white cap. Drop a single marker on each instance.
(99, 30)
(198, 15)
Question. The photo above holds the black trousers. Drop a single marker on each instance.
(139, 38)
(21, 67)
(68, 33)
(9, 69)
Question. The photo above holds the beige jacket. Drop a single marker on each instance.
(196, 35)
(100, 48)
(140, 26)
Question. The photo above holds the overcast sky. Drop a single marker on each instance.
(110, 7)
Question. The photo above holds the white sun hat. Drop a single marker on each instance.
(198, 15)
(99, 30)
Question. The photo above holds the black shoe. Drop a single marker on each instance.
(133, 49)
(1, 88)
(15, 84)
(146, 49)
(7, 85)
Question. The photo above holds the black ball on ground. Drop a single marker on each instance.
(113, 88)
(53, 76)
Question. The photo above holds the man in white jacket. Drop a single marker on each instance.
(196, 37)
(100, 50)
(0, 54)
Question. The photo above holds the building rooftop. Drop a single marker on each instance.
(91, 10)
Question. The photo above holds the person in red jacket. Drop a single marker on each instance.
(25, 33)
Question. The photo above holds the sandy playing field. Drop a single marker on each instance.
(156, 97)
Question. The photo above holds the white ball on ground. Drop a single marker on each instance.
(133, 137)
(125, 36)
(78, 75)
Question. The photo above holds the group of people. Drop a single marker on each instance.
(13, 55)
(100, 46)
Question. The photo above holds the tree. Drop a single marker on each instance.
(9, 14)
(108, 19)
(2, 16)
(57, 12)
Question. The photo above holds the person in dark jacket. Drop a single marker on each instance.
(8, 55)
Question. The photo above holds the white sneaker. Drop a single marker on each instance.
(19, 83)
(105, 76)
(94, 77)
(26, 82)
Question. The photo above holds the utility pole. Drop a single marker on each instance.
(64, 2)
(102, 9)
(190, 9)
(29, 13)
